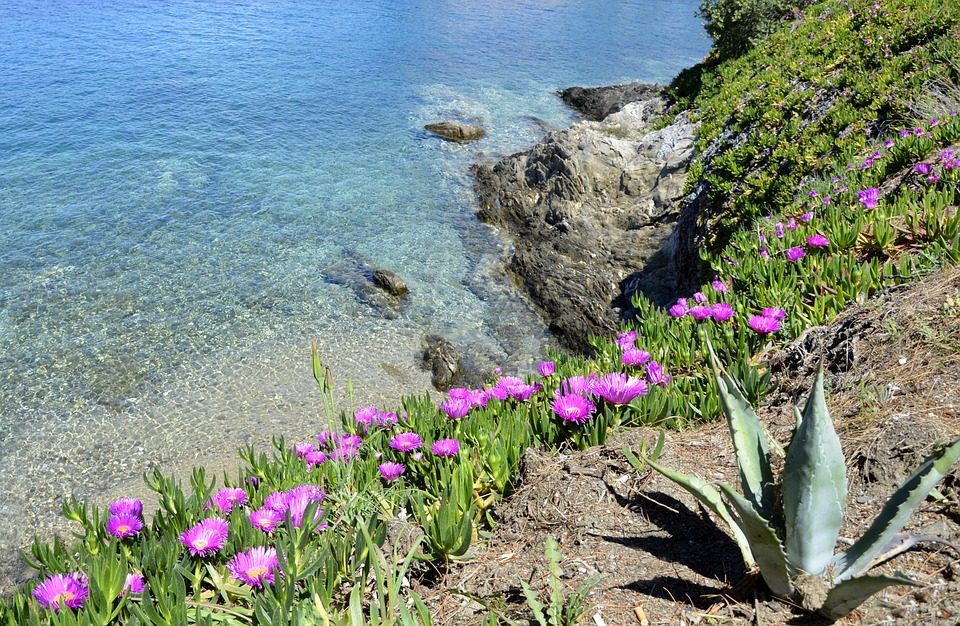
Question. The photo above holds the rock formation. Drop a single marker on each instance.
(590, 209)
(456, 131)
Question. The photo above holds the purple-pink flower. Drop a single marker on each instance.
(635, 357)
(205, 538)
(679, 310)
(406, 442)
(266, 519)
(315, 458)
(123, 526)
(547, 368)
(617, 388)
(126, 506)
(226, 499)
(62, 590)
(869, 197)
(721, 311)
(719, 286)
(774, 312)
(390, 471)
(456, 408)
(817, 241)
(626, 339)
(301, 449)
(807, 217)
(763, 324)
(700, 312)
(256, 567)
(363, 417)
(795, 254)
(446, 447)
(573, 408)
(656, 375)
(133, 583)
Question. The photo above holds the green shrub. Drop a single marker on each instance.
(735, 26)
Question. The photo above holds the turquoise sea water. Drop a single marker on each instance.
(187, 188)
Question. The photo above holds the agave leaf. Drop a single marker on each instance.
(710, 498)
(749, 441)
(764, 544)
(814, 487)
(896, 512)
(851, 593)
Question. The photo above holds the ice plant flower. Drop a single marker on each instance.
(406, 442)
(315, 458)
(656, 375)
(547, 368)
(763, 324)
(817, 241)
(719, 286)
(133, 583)
(721, 311)
(62, 590)
(278, 501)
(363, 417)
(763, 253)
(385, 419)
(779, 229)
(581, 385)
(456, 408)
(226, 499)
(807, 217)
(206, 537)
(126, 506)
(573, 408)
(869, 197)
(679, 310)
(617, 388)
(635, 357)
(922, 168)
(123, 526)
(795, 254)
(774, 312)
(298, 507)
(265, 519)
(301, 449)
(256, 567)
(626, 339)
(700, 312)
(446, 447)
(390, 471)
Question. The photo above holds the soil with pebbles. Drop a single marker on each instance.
(893, 377)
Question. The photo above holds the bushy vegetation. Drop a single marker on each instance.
(800, 139)
(735, 26)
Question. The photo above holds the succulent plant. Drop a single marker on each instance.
(789, 529)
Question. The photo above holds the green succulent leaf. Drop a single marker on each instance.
(764, 544)
(896, 512)
(710, 498)
(814, 487)
(851, 593)
(749, 441)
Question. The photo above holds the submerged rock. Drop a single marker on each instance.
(456, 131)
(442, 360)
(390, 282)
(590, 210)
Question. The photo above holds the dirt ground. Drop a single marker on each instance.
(893, 378)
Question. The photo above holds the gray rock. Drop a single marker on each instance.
(456, 131)
(596, 103)
(589, 208)
(389, 281)
(442, 360)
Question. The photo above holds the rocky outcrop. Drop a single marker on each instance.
(596, 103)
(590, 210)
(456, 131)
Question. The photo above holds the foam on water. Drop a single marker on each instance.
(187, 189)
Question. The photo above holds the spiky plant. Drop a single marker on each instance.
(789, 528)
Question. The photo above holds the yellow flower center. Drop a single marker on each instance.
(63, 598)
(123, 529)
(257, 572)
(200, 544)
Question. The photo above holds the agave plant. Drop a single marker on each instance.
(789, 528)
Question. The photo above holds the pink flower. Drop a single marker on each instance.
(446, 447)
(406, 442)
(573, 408)
(123, 526)
(456, 408)
(795, 254)
(764, 325)
(265, 519)
(679, 310)
(721, 312)
(869, 197)
(205, 538)
(700, 312)
(547, 368)
(774, 312)
(817, 241)
(390, 471)
(617, 388)
(656, 375)
(256, 567)
(635, 357)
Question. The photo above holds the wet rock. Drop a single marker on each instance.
(389, 281)
(442, 360)
(596, 103)
(589, 208)
(456, 131)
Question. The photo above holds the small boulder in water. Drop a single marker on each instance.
(456, 131)
(389, 281)
(442, 360)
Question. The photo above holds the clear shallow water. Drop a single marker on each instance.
(187, 187)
